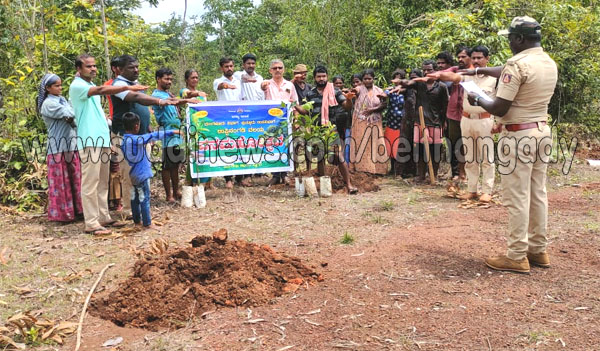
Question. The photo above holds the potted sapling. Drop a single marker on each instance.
(313, 137)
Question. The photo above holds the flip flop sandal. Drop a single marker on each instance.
(114, 224)
(98, 231)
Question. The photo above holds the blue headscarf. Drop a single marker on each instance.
(47, 80)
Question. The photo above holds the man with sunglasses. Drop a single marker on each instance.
(279, 89)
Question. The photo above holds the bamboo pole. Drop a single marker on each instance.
(426, 140)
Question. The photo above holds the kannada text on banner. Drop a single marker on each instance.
(241, 137)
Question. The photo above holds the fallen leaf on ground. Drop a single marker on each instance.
(19, 323)
(159, 246)
(113, 342)
(5, 341)
(3, 259)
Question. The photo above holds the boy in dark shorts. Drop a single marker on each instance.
(134, 149)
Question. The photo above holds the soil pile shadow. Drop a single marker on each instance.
(167, 290)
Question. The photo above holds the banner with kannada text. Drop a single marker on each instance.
(239, 137)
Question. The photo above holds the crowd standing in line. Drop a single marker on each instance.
(86, 149)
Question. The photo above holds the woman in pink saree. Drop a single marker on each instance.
(368, 152)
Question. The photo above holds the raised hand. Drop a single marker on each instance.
(172, 101)
(436, 75)
(445, 76)
(137, 87)
(421, 79)
(466, 72)
(349, 95)
(180, 102)
(472, 98)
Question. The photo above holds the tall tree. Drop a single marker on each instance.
(104, 32)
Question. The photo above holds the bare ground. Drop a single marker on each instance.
(412, 279)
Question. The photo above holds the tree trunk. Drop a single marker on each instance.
(106, 55)
(45, 44)
(183, 33)
(222, 37)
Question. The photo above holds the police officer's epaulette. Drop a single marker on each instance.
(513, 60)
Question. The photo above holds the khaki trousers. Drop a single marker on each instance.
(124, 169)
(523, 158)
(479, 153)
(95, 171)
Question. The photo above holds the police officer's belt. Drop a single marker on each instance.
(523, 126)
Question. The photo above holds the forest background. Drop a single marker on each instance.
(39, 36)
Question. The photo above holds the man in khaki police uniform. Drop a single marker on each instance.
(526, 84)
(476, 126)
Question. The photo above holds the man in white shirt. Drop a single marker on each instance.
(227, 87)
(251, 90)
(250, 80)
(476, 125)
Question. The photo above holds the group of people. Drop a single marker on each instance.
(91, 156)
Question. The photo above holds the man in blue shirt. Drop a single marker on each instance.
(168, 119)
(93, 143)
(134, 149)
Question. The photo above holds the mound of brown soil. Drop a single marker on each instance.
(364, 182)
(168, 290)
(589, 150)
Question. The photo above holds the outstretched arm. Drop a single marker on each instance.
(112, 90)
(148, 100)
(445, 76)
(488, 71)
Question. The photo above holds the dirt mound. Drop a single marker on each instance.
(167, 290)
(363, 181)
(589, 150)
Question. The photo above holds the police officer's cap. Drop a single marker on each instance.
(524, 25)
